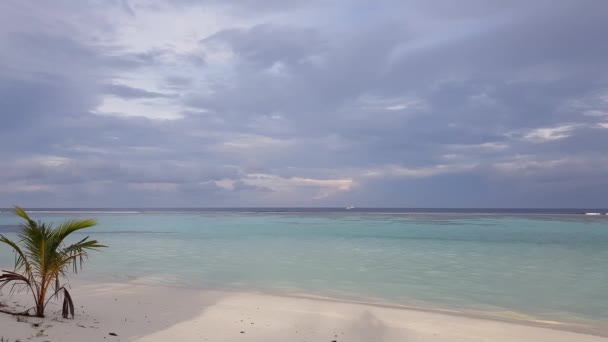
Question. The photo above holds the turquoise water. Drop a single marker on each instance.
(552, 267)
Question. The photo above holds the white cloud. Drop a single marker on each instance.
(587, 168)
(595, 112)
(420, 172)
(401, 106)
(226, 183)
(371, 102)
(277, 69)
(84, 149)
(21, 187)
(51, 160)
(602, 125)
(236, 142)
(293, 185)
(546, 134)
(521, 164)
(488, 146)
(483, 99)
(595, 104)
(158, 24)
(170, 36)
(155, 109)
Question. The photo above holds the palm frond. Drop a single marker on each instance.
(21, 213)
(41, 259)
(7, 277)
(76, 252)
(68, 304)
(83, 245)
(63, 230)
(34, 238)
(21, 260)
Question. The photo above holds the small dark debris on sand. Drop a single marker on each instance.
(112, 334)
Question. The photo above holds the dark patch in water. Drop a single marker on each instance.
(11, 228)
(124, 232)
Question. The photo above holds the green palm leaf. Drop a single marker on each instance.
(42, 259)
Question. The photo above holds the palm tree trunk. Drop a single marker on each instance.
(40, 303)
(39, 310)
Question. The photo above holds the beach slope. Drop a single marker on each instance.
(135, 312)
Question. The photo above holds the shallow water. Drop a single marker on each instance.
(545, 267)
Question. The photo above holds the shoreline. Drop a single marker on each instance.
(539, 323)
(568, 326)
(156, 313)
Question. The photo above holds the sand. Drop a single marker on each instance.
(134, 312)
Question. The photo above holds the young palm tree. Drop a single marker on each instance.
(42, 260)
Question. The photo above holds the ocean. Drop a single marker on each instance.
(531, 264)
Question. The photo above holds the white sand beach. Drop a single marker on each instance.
(133, 312)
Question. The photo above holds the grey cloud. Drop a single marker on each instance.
(130, 92)
(178, 81)
(321, 91)
(264, 45)
(240, 186)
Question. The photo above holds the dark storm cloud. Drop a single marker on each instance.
(397, 103)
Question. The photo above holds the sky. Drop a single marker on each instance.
(391, 103)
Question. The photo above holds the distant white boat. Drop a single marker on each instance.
(593, 214)
(350, 207)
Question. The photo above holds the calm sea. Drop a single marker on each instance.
(529, 264)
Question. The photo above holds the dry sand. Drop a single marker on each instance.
(149, 313)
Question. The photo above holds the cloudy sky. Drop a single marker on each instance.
(133, 103)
